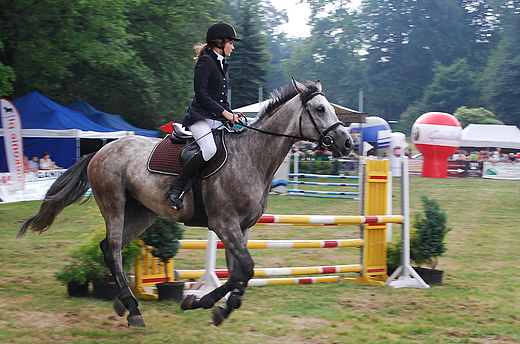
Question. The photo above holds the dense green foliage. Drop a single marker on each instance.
(87, 260)
(475, 116)
(428, 242)
(135, 57)
(163, 236)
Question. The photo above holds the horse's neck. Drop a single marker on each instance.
(268, 151)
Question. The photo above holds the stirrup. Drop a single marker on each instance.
(176, 202)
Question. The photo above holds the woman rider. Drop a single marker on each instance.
(210, 107)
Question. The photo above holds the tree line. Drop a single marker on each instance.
(135, 57)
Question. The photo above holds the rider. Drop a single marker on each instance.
(210, 107)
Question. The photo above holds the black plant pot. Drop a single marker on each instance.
(431, 277)
(105, 290)
(170, 291)
(76, 289)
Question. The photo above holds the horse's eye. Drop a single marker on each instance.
(320, 109)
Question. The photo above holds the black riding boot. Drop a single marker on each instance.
(176, 191)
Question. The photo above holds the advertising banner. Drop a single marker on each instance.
(37, 185)
(501, 170)
(12, 130)
(465, 169)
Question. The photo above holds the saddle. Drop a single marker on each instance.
(169, 155)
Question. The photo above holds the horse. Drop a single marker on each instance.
(130, 197)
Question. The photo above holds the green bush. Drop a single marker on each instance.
(325, 167)
(88, 262)
(428, 244)
(163, 236)
(393, 255)
(316, 166)
(336, 165)
(303, 167)
(426, 237)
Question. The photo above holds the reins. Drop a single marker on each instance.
(324, 141)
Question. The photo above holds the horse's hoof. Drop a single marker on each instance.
(119, 308)
(136, 320)
(187, 303)
(219, 315)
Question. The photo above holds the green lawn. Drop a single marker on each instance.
(478, 302)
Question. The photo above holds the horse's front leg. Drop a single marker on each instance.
(238, 284)
(241, 271)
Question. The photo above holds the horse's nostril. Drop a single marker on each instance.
(348, 144)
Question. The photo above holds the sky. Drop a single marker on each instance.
(298, 16)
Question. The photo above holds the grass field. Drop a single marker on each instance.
(478, 303)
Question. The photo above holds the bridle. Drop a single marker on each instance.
(324, 141)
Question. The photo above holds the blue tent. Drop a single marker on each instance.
(56, 129)
(109, 120)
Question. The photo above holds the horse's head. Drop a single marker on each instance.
(319, 121)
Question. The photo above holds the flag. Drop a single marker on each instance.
(12, 130)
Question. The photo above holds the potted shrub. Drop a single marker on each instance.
(75, 276)
(325, 167)
(426, 242)
(303, 167)
(88, 265)
(163, 236)
(336, 166)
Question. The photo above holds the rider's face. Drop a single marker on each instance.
(228, 48)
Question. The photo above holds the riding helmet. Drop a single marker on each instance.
(222, 31)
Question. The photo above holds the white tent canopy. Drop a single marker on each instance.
(491, 136)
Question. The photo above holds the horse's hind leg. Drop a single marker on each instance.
(123, 225)
(137, 219)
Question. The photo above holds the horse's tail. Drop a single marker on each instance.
(69, 188)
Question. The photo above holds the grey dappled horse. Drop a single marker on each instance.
(130, 197)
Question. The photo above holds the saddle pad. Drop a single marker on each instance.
(166, 159)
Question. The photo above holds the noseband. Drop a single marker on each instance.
(324, 140)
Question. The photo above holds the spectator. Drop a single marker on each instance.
(26, 168)
(459, 156)
(46, 163)
(34, 164)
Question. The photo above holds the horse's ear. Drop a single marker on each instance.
(300, 88)
(318, 85)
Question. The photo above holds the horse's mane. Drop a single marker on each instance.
(280, 97)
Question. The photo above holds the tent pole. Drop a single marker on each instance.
(78, 148)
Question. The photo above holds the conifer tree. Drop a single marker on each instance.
(249, 63)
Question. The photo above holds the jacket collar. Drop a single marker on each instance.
(224, 64)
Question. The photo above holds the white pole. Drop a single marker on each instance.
(389, 226)
(408, 277)
(295, 169)
(209, 281)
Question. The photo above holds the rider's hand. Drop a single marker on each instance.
(230, 116)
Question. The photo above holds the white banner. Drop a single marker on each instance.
(12, 128)
(438, 135)
(501, 170)
(37, 185)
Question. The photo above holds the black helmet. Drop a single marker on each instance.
(221, 30)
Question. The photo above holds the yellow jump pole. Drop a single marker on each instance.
(373, 257)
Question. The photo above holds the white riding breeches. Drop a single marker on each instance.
(201, 131)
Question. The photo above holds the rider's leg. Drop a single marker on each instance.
(204, 137)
